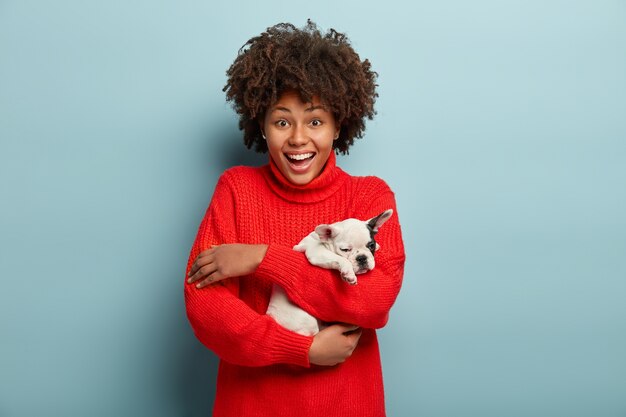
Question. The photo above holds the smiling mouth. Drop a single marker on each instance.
(300, 162)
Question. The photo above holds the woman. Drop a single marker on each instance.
(300, 95)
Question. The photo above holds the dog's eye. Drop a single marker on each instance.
(371, 246)
(345, 249)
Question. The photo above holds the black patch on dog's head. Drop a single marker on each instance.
(372, 224)
(371, 245)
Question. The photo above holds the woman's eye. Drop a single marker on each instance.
(282, 123)
(345, 249)
(316, 122)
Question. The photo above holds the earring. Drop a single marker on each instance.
(263, 134)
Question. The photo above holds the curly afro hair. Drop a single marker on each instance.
(314, 64)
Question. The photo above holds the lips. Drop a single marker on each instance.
(299, 162)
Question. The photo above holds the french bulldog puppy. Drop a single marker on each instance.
(347, 246)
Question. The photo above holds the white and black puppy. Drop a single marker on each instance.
(347, 246)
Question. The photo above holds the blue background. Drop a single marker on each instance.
(501, 127)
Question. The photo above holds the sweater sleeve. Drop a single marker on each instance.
(325, 295)
(222, 321)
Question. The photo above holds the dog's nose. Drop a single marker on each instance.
(361, 259)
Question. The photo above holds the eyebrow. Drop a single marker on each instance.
(286, 110)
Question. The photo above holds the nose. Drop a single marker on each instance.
(299, 136)
(361, 259)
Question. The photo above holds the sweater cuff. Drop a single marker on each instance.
(292, 348)
(278, 265)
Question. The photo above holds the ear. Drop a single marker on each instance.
(326, 232)
(375, 222)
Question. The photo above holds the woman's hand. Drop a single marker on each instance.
(334, 344)
(225, 261)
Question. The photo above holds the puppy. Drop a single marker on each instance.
(347, 246)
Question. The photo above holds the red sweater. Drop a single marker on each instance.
(264, 369)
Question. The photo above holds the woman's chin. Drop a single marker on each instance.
(299, 175)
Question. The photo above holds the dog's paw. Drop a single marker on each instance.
(348, 276)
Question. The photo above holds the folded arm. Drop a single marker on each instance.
(222, 321)
(325, 295)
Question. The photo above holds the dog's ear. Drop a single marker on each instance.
(375, 222)
(326, 232)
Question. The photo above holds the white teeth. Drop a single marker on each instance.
(301, 156)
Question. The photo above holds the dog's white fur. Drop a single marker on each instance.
(346, 246)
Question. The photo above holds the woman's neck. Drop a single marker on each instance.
(321, 187)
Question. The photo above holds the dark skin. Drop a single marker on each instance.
(331, 346)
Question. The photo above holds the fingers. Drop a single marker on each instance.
(350, 332)
(204, 272)
(204, 258)
(204, 269)
(353, 340)
(212, 278)
(354, 337)
(334, 344)
(346, 328)
(207, 281)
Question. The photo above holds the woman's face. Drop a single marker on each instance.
(299, 136)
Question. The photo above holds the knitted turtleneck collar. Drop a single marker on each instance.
(323, 186)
